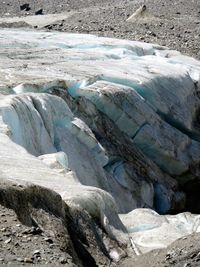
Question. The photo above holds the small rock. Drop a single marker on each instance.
(153, 34)
(8, 241)
(3, 229)
(36, 252)
(49, 240)
(39, 12)
(63, 260)
(50, 27)
(168, 256)
(20, 259)
(19, 235)
(25, 7)
(28, 260)
(173, 262)
(7, 234)
(33, 231)
(193, 255)
(150, 33)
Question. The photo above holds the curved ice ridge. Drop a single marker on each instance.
(34, 109)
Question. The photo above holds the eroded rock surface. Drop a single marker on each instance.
(109, 125)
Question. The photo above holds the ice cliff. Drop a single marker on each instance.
(110, 125)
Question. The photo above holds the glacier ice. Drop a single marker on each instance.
(111, 125)
(57, 160)
(150, 231)
(142, 91)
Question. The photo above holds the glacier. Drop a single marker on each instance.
(110, 125)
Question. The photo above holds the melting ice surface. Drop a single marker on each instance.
(151, 231)
(129, 124)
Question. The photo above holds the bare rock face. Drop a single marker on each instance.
(108, 125)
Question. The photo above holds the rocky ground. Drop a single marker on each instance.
(46, 235)
(172, 23)
(20, 244)
(184, 252)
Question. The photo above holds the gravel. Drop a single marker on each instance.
(23, 245)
